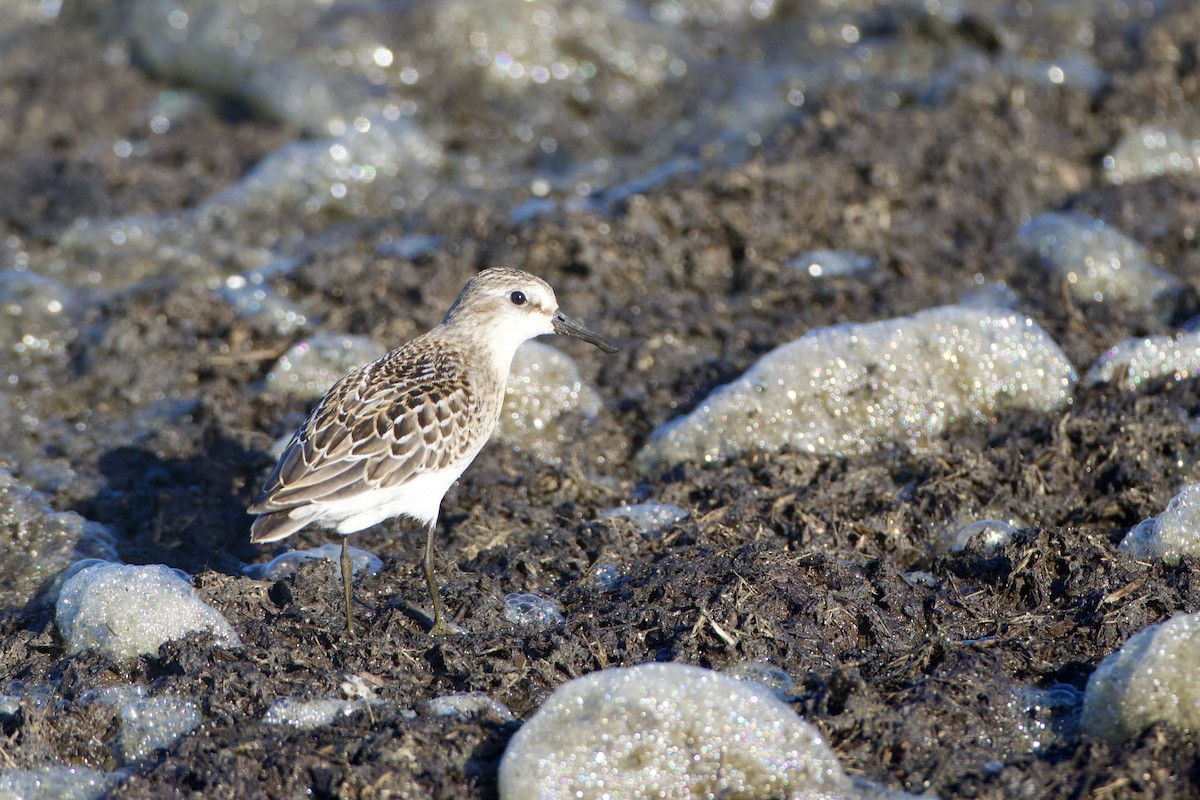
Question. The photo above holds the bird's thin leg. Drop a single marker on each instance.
(347, 571)
(440, 628)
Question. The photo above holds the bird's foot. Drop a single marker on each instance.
(442, 628)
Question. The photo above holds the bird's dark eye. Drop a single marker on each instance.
(518, 298)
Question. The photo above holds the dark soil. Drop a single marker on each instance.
(807, 562)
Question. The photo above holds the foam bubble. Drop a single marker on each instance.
(667, 730)
(543, 385)
(531, 611)
(1172, 534)
(1152, 678)
(1130, 363)
(286, 563)
(852, 388)
(1099, 263)
(125, 611)
(648, 517)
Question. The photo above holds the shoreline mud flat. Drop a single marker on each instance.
(156, 281)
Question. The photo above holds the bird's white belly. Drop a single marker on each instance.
(419, 498)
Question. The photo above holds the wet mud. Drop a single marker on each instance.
(921, 668)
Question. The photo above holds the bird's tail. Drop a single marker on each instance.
(276, 525)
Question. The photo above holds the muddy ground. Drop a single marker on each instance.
(807, 562)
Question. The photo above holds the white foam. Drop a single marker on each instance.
(667, 730)
(1099, 263)
(543, 385)
(124, 611)
(468, 706)
(150, 725)
(648, 517)
(1148, 152)
(1133, 362)
(852, 388)
(57, 782)
(40, 543)
(1152, 678)
(1172, 534)
(313, 365)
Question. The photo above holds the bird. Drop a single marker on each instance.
(390, 438)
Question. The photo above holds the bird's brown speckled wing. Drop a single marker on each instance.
(413, 411)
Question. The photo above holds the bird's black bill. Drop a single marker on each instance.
(570, 327)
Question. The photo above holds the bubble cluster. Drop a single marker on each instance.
(852, 388)
(307, 715)
(608, 576)
(985, 536)
(1170, 535)
(38, 543)
(58, 782)
(543, 385)
(667, 730)
(831, 263)
(1150, 152)
(1130, 363)
(767, 675)
(1047, 717)
(286, 563)
(531, 611)
(310, 367)
(153, 724)
(1099, 263)
(648, 517)
(468, 706)
(124, 611)
(1152, 678)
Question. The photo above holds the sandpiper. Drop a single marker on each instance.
(391, 437)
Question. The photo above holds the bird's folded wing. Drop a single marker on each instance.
(369, 433)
